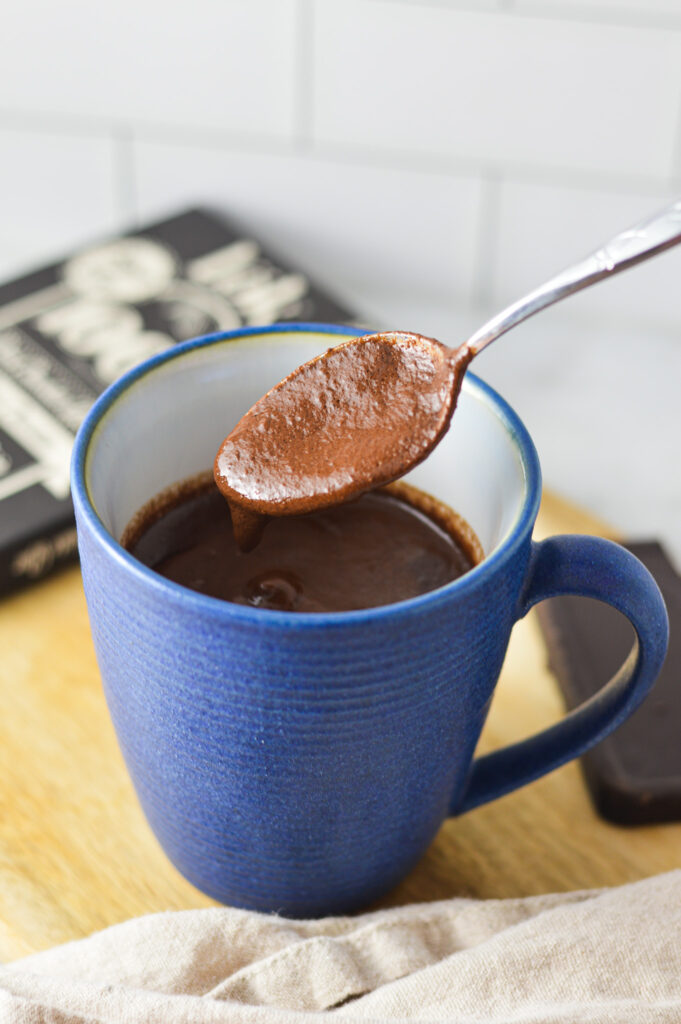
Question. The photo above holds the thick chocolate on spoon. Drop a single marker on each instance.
(356, 417)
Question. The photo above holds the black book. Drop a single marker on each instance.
(67, 331)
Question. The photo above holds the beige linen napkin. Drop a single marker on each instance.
(596, 956)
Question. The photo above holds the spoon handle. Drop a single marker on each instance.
(632, 246)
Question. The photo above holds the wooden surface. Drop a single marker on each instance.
(76, 854)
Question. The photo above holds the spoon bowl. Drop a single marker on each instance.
(347, 421)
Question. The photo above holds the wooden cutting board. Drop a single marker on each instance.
(76, 854)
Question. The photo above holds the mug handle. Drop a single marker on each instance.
(587, 567)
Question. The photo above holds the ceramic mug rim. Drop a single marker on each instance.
(213, 606)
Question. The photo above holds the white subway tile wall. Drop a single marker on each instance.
(224, 65)
(496, 88)
(543, 228)
(55, 191)
(427, 159)
(344, 223)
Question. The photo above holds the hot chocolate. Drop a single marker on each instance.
(389, 545)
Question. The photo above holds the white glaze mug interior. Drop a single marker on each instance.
(169, 422)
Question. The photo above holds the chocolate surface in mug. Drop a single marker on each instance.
(388, 545)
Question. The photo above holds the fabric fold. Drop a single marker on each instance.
(609, 955)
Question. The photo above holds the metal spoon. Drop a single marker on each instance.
(367, 411)
(636, 244)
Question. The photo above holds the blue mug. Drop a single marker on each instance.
(303, 762)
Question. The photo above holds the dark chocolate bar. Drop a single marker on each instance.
(68, 330)
(634, 775)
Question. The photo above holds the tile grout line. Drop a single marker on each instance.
(461, 6)
(304, 77)
(427, 162)
(54, 123)
(485, 257)
(125, 190)
(675, 175)
(658, 21)
(532, 9)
